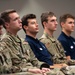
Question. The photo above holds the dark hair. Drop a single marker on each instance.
(44, 17)
(1, 21)
(5, 15)
(25, 19)
(64, 17)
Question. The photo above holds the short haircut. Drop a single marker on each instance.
(5, 15)
(64, 17)
(44, 17)
(25, 19)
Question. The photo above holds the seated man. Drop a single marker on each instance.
(67, 22)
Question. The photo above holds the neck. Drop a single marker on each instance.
(50, 33)
(67, 33)
(32, 35)
(12, 32)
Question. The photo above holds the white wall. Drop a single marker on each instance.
(37, 7)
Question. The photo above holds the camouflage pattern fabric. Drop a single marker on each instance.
(6, 64)
(69, 70)
(17, 54)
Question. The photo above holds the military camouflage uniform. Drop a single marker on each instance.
(55, 49)
(16, 56)
(20, 53)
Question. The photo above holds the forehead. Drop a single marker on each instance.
(53, 17)
(70, 19)
(13, 15)
(32, 20)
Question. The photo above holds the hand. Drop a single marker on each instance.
(36, 71)
(45, 70)
(60, 65)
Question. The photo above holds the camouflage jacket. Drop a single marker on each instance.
(16, 54)
(0, 37)
(55, 48)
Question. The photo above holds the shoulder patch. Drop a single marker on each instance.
(47, 45)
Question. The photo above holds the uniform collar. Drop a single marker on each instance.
(65, 35)
(29, 37)
(50, 37)
(16, 38)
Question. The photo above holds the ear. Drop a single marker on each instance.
(44, 23)
(62, 24)
(25, 27)
(7, 25)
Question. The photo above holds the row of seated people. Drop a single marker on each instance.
(18, 55)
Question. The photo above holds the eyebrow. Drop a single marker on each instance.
(15, 18)
(53, 20)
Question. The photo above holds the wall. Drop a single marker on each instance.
(37, 7)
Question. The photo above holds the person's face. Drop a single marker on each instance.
(15, 22)
(51, 24)
(1, 29)
(68, 26)
(32, 27)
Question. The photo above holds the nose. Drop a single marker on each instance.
(20, 20)
(56, 22)
(37, 24)
(73, 24)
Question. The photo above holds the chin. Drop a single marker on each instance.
(37, 31)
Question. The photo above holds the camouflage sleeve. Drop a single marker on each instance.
(62, 51)
(34, 60)
(20, 65)
(5, 61)
(31, 57)
(6, 65)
